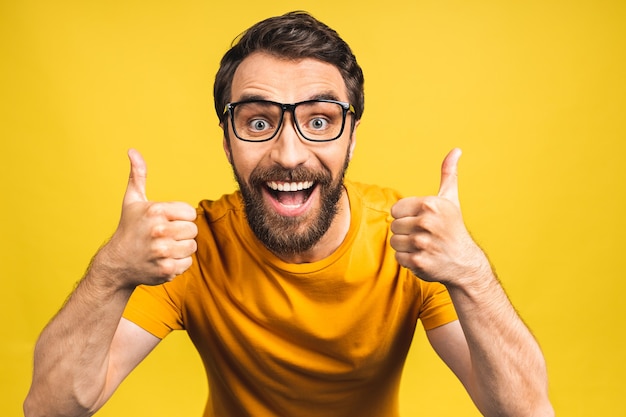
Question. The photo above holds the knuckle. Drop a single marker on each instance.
(417, 262)
(171, 268)
(431, 204)
(188, 230)
(167, 268)
(394, 226)
(193, 246)
(184, 264)
(194, 229)
(158, 230)
(185, 248)
(161, 250)
(413, 261)
(420, 241)
(192, 212)
(426, 223)
(393, 241)
(155, 210)
(394, 211)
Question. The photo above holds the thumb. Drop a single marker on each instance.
(449, 187)
(136, 189)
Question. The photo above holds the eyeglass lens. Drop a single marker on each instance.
(315, 120)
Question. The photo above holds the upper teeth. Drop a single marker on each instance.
(289, 186)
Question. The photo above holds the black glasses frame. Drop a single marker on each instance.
(230, 108)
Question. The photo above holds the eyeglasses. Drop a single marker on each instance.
(260, 120)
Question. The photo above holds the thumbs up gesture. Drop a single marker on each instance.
(154, 241)
(429, 235)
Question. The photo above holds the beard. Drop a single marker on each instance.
(287, 235)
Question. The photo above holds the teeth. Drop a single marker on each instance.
(289, 186)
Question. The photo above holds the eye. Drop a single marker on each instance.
(318, 123)
(258, 125)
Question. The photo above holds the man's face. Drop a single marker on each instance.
(291, 187)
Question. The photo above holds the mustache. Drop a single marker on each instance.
(259, 176)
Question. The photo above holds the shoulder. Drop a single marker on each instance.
(371, 196)
(214, 210)
(220, 220)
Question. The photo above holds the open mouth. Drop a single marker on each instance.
(290, 194)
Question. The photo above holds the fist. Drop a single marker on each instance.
(429, 235)
(154, 241)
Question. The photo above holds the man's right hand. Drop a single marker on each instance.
(154, 241)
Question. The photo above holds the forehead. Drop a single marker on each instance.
(262, 75)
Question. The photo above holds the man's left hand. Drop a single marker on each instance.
(429, 234)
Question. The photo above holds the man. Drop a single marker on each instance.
(301, 291)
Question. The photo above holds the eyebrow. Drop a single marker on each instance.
(328, 95)
(250, 97)
(325, 96)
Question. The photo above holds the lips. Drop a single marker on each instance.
(290, 195)
(289, 186)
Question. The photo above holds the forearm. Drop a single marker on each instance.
(71, 356)
(508, 374)
(86, 350)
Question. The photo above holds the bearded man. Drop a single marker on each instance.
(301, 291)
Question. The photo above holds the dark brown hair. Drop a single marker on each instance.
(295, 35)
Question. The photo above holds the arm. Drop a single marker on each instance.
(502, 370)
(489, 348)
(87, 349)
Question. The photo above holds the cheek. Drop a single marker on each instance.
(336, 159)
(244, 161)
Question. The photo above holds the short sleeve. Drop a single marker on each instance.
(436, 308)
(155, 309)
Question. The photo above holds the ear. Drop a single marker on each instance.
(226, 145)
(353, 139)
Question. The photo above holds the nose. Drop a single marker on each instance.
(289, 149)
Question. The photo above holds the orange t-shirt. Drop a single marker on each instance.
(327, 338)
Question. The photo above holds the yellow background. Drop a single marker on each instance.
(533, 91)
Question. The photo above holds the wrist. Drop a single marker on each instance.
(475, 281)
(107, 271)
